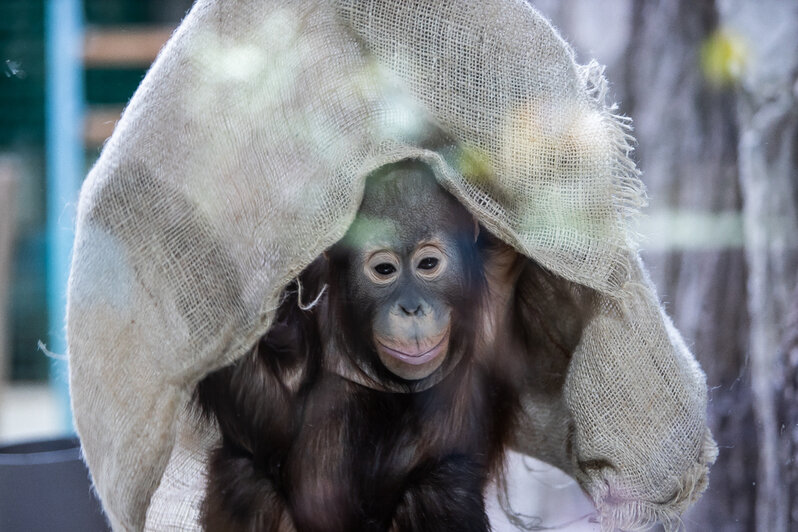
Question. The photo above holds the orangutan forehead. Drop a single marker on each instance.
(405, 201)
(398, 188)
(368, 233)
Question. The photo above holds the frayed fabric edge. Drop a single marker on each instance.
(638, 515)
(629, 192)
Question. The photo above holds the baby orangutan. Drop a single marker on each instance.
(389, 404)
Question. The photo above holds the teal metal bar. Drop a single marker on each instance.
(65, 170)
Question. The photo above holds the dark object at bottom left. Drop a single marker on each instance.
(45, 486)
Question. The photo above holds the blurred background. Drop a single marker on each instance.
(712, 87)
(67, 67)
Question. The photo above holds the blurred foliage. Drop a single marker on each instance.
(724, 56)
(474, 164)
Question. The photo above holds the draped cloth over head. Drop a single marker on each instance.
(242, 156)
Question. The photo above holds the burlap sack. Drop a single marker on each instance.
(242, 156)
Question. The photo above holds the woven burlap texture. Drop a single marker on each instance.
(242, 156)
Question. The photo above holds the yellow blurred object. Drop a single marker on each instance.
(724, 57)
(474, 164)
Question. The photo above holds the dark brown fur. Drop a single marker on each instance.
(305, 449)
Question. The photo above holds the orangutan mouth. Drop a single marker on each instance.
(418, 357)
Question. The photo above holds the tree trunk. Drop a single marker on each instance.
(768, 117)
(788, 414)
(690, 140)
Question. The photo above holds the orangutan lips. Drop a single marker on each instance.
(416, 359)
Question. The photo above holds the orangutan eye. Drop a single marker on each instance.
(382, 267)
(428, 264)
(385, 268)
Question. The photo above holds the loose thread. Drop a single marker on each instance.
(313, 303)
(50, 354)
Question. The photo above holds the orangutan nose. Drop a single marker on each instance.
(411, 309)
